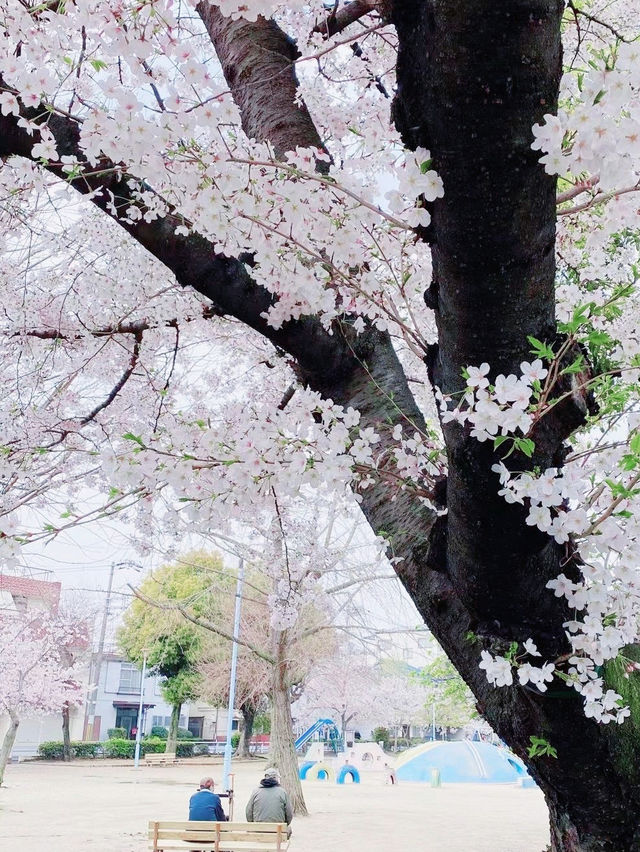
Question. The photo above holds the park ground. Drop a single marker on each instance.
(104, 807)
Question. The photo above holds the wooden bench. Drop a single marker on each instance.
(160, 759)
(219, 836)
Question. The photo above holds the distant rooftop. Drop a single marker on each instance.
(27, 590)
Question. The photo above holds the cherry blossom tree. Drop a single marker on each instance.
(182, 180)
(36, 675)
(400, 700)
(343, 688)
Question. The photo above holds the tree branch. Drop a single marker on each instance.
(124, 378)
(258, 64)
(339, 19)
(202, 622)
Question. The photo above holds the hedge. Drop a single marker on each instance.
(117, 733)
(152, 745)
(119, 747)
(54, 750)
(159, 732)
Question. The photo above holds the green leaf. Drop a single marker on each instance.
(542, 350)
(540, 747)
(577, 366)
(525, 445)
(424, 167)
(98, 64)
(129, 436)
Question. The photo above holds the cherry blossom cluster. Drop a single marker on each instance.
(177, 130)
(498, 409)
(603, 705)
(238, 462)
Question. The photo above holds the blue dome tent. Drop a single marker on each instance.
(465, 761)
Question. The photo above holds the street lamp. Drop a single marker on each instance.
(136, 759)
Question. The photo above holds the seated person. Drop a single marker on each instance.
(205, 805)
(269, 802)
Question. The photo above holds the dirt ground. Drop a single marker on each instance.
(98, 807)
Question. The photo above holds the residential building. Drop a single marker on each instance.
(118, 700)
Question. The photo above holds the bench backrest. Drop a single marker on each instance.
(251, 836)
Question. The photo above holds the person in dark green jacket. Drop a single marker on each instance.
(269, 802)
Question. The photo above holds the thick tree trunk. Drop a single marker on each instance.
(472, 80)
(248, 710)
(7, 743)
(172, 736)
(282, 754)
(66, 734)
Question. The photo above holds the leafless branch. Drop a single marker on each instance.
(124, 378)
(341, 18)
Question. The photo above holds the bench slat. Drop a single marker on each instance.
(206, 845)
(251, 837)
(266, 827)
(241, 836)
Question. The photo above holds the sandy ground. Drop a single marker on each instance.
(99, 807)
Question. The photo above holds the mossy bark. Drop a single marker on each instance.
(8, 742)
(172, 736)
(282, 754)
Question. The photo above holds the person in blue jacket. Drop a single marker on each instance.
(205, 805)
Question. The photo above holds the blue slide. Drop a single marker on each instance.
(302, 739)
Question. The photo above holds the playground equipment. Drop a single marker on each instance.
(321, 771)
(356, 760)
(335, 740)
(348, 770)
(459, 762)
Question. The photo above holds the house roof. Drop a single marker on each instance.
(26, 587)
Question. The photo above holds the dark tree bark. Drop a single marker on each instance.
(248, 710)
(66, 734)
(473, 77)
(172, 734)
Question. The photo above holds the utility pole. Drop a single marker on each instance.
(232, 680)
(136, 757)
(95, 668)
(96, 664)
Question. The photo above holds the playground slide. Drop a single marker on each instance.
(302, 739)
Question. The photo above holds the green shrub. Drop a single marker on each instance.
(184, 734)
(185, 749)
(199, 748)
(54, 750)
(159, 731)
(119, 748)
(235, 740)
(262, 724)
(82, 749)
(153, 745)
(117, 733)
(381, 735)
(51, 750)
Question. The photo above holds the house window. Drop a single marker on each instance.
(129, 678)
(20, 603)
